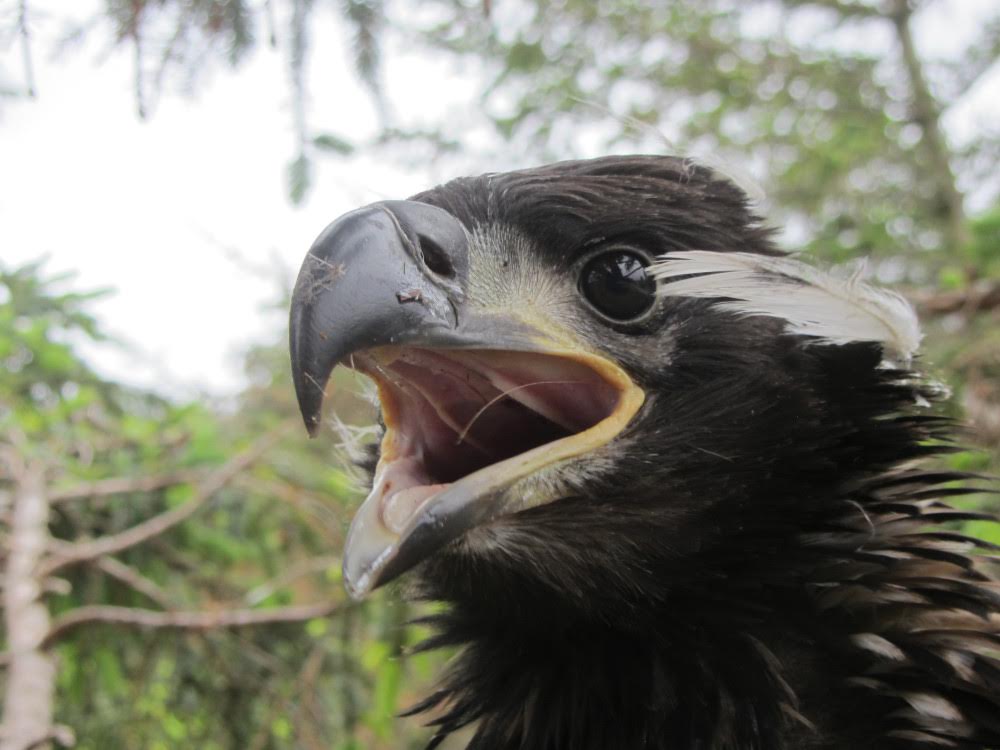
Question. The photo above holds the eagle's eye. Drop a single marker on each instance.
(616, 284)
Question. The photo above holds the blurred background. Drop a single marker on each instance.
(169, 538)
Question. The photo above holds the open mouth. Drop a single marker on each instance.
(484, 406)
(454, 415)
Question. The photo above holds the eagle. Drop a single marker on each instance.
(666, 479)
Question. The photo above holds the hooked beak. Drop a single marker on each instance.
(475, 401)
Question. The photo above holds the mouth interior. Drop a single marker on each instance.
(450, 413)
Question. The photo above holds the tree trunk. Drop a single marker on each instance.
(927, 114)
(28, 703)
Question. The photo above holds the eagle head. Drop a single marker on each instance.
(632, 444)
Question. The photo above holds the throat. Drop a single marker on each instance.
(593, 688)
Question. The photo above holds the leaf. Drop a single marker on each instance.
(951, 277)
(526, 56)
(174, 727)
(317, 627)
(374, 654)
(334, 574)
(178, 494)
(299, 179)
(281, 728)
(334, 144)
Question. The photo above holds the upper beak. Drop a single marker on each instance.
(388, 273)
(396, 273)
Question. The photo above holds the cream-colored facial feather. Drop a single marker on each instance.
(833, 308)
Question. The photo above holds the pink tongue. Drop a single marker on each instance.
(566, 392)
(399, 508)
(460, 384)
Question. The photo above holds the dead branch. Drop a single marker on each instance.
(134, 580)
(157, 525)
(925, 111)
(187, 620)
(316, 510)
(980, 296)
(303, 568)
(122, 485)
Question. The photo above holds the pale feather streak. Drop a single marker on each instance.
(820, 304)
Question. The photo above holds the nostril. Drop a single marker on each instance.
(436, 258)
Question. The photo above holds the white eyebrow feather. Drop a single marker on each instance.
(833, 308)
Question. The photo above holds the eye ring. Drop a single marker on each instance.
(616, 283)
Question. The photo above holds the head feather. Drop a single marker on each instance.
(827, 306)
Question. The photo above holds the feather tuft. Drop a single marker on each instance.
(828, 306)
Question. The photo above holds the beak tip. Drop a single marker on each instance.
(358, 590)
(309, 393)
(310, 409)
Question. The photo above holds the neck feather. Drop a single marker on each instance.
(873, 630)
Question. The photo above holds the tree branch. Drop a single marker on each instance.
(25, 33)
(136, 34)
(926, 113)
(969, 81)
(188, 620)
(313, 508)
(303, 568)
(134, 580)
(843, 8)
(122, 485)
(980, 296)
(978, 60)
(30, 685)
(157, 525)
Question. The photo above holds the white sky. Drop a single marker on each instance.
(156, 209)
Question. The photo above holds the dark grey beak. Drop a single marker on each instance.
(389, 273)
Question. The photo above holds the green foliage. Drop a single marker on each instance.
(194, 29)
(299, 178)
(338, 679)
(983, 252)
(778, 90)
(366, 18)
(333, 143)
(175, 41)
